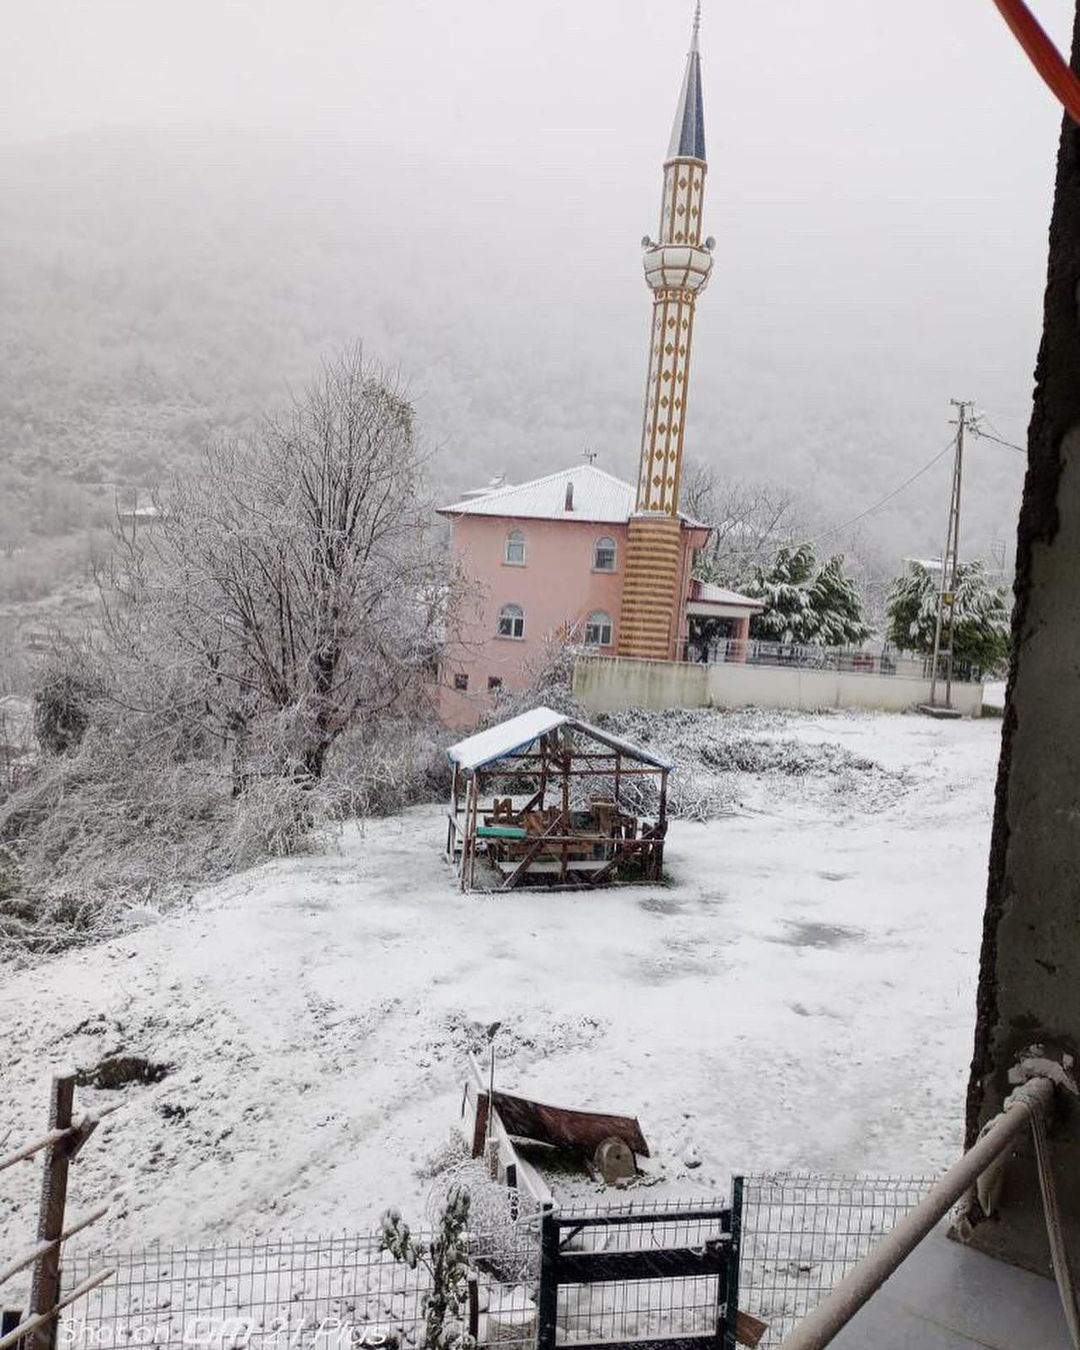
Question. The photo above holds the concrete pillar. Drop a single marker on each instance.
(1029, 982)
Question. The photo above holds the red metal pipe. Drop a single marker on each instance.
(1044, 56)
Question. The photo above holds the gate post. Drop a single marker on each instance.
(731, 1292)
(547, 1311)
(45, 1281)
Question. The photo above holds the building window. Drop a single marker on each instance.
(604, 555)
(598, 629)
(511, 621)
(461, 682)
(515, 548)
(494, 682)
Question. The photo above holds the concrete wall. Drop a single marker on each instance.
(1029, 981)
(604, 685)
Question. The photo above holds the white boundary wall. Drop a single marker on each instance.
(605, 684)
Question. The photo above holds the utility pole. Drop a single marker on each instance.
(950, 565)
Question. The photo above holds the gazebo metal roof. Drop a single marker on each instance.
(518, 733)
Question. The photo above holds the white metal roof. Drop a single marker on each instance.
(705, 593)
(598, 496)
(519, 732)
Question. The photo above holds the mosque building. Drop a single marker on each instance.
(580, 556)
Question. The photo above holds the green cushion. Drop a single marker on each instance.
(501, 832)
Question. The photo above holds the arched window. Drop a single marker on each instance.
(604, 555)
(598, 629)
(511, 621)
(515, 548)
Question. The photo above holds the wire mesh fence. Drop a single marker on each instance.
(336, 1292)
(658, 1272)
(802, 1234)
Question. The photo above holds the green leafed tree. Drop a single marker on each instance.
(805, 603)
(980, 615)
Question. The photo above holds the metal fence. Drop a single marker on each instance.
(799, 1236)
(802, 1234)
(799, 656)
(335, 1292)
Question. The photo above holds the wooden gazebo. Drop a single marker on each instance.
(546, 800)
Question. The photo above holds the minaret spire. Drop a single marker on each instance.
(677, 267)
(688, 132)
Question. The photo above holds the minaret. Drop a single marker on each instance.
(677, 269)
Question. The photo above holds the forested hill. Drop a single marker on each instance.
(156, 288)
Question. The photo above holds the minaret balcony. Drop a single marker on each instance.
(677, 267)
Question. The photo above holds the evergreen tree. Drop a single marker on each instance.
(980, 615)
(787, 616)
(835, 599)
(804, 606)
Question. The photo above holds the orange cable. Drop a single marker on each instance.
(1044, 56)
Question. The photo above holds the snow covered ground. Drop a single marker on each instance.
(800, 996)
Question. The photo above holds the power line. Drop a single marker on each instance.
(888, 496)
(976, 430)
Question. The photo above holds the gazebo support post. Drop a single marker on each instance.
(564, 848)
(661, 829)
(451, 825)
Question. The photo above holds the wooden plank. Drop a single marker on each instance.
(45, 1281)
(749, 1330)
(662, 1263)
(552, 866)
(523, 866)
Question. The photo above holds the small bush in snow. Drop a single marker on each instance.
(63, 703)
(445, 1257)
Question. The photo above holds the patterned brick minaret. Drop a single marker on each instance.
(677, 268)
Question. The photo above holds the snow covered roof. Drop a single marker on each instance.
(597, 496)
(706, 594)
(518, 733)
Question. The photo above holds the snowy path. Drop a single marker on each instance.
(803, 996)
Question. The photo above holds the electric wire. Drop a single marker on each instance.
(888, 496)
(994, 434)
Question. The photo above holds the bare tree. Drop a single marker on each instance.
(290, 588)
(750, 522)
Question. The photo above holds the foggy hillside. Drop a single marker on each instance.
(157, 288)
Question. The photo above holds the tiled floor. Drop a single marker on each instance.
(948, 1297)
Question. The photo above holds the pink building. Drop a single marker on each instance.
(546, 561)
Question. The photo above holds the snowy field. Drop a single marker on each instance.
(800, 996)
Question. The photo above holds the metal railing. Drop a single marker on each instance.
(803, 656)
(1025, 1109)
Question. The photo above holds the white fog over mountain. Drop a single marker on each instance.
(200, 203)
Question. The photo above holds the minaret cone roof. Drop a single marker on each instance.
(688, 133)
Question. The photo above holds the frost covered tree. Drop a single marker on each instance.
(748, 523)
(291, 588)
(802, 605)
(980, 615)
(784, 589)
(838, 605)
(445, 1258)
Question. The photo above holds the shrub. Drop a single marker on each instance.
(63, 704)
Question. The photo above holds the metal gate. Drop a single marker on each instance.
(664, 1278)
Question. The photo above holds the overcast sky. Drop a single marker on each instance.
(880, 173)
